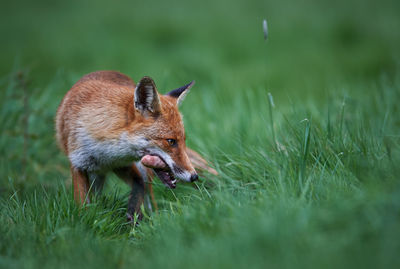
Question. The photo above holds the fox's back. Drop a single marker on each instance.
(100, 103)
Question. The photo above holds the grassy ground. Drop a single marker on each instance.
(309, 179)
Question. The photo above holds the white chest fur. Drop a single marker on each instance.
(94, 155)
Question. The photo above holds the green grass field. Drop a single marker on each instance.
(309, 179)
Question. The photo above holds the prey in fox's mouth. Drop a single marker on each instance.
(162, 170)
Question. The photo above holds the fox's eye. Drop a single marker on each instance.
(171, 142)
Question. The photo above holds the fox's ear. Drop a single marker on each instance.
(181, 92)
(147, 100)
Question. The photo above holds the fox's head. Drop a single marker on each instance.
(160, 126)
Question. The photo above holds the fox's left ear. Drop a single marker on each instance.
(147, 100)
(181, 92)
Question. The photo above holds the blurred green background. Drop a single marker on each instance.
(311, 42)
(311, 181)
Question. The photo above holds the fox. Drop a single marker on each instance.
(107, 123)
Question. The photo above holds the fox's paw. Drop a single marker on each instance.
(130, 218)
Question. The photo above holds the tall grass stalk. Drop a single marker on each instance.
(271, 105)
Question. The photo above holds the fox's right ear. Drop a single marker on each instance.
(147, 101)
(181, 92)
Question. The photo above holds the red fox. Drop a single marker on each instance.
(107, 123)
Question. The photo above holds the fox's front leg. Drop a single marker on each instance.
(81, 185)
(132, 177)
(136, 200)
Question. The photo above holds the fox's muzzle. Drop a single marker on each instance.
(194, 177)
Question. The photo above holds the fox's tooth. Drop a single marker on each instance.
(173, 181)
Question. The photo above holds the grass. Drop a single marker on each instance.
(304, 130)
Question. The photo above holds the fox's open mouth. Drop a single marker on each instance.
(161, 168)
(166, 177)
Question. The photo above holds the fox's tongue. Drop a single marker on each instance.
(152, 161)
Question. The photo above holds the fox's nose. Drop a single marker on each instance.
(194, 177)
